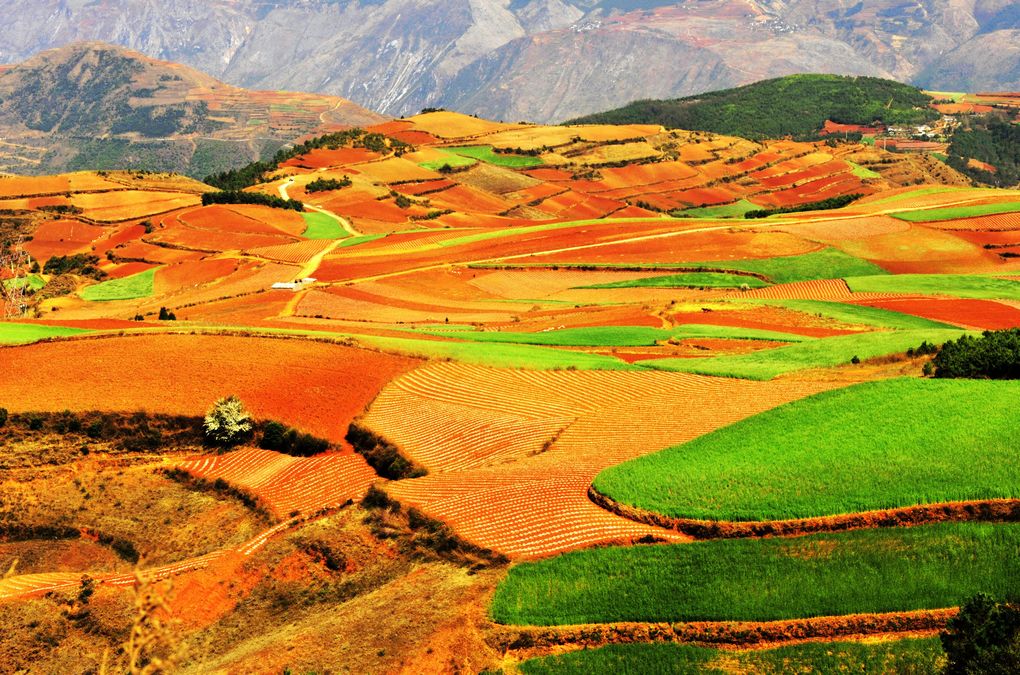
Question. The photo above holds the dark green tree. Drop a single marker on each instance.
(984, 639)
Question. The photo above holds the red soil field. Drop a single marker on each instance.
(248, 219)
(322, 158)
(210, 240)
(1002, 238)
(704, 196)
(480, 431)
(415, 137)
(121, 205)
(349, 303)
(839, 230)
(343, 266)
(120, 234)
(191, 274)
(962, 108)
(425, 187)
(763, 318)
(692, 348)
(289, 484)
(30, 186)
(154, 254)
(980, 314)
(466, 198)
(831, 127)
(314, 386)
(126, 269)
(62, 237)
(1002, 221)
(549, 174)
(298, 253)
(249, 310)
(692, 247)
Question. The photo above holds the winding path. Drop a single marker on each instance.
(344, 223)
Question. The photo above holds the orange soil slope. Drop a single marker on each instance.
(286, 484)
(484, 434)
(316, 387)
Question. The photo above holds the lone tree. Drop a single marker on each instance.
(983, 638)
(227, 423)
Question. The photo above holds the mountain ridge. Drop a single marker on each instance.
(541, 60)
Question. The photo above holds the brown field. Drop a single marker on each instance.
(281, 379)
(119, 206)
(62, 237)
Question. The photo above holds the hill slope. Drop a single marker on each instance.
(796, 105)
(98, 106)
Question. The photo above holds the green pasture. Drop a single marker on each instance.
(878, 445)
(855, 572)
(322, 226)
(485, 153)
(127, 288)
(957, 212)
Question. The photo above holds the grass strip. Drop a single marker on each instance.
(955, 285)
(859, 315)
(619, 336)
(687, 280)
(821, 353)
(770, 579)
(957, 212)
(26, 333)
(911, 655)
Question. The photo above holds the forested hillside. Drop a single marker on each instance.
(796, 106)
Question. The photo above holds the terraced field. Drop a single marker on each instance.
(289, 486)
(528, 444)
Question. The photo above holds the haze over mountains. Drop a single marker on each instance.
(542, 60)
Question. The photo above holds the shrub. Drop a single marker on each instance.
(3, 416)
(166, 315)
(227, 423)
(281, 438)
(80, 263)
(324, 184)
(994, 356)
(241, 197)
(823, 205)
(382, 455)
(983, 638)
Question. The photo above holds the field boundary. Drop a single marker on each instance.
(987, 510)
(720, 633)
